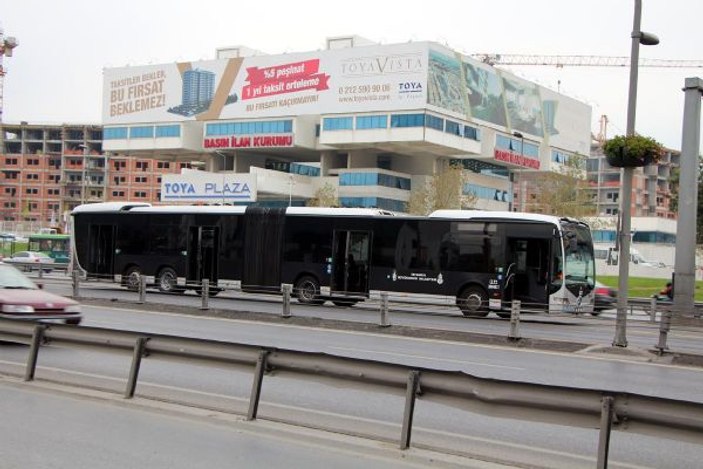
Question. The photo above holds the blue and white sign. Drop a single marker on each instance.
(201, 186)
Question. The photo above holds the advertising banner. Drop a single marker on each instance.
(483, 93)
(360, 79)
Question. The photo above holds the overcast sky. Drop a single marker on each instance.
(55, 75)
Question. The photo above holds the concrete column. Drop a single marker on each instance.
(685, 263)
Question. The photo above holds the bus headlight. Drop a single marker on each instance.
(17, 309)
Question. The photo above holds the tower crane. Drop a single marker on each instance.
(580, 61)
(7, 44)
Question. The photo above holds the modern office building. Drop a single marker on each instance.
(372, 121)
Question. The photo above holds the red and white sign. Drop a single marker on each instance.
(287, 78)
(249, 141)
(512, 158)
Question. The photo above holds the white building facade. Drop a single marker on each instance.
(372, 121)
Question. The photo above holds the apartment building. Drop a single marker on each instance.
(47, 170)
(652, 187)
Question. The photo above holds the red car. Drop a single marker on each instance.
(22, 299)
(606, 298)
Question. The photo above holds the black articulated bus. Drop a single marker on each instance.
(482, 260)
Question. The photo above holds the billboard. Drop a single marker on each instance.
(497, 98)
(201, 186)
(359, 79)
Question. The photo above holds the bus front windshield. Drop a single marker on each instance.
(579, 263)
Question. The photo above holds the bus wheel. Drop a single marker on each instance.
(473, 302)
(307, 290)
(131, 278)
(167, 281)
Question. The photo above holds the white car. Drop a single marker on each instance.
(24, 260)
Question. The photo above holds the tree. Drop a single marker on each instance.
(445, 190)
(563, 193)
(325, 196)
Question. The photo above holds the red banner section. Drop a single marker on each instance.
(258, 141)
(520, 160)
(287, 78)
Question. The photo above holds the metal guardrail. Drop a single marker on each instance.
(41, 267)
(575, 407)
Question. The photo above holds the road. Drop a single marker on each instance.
(370, 413)
(60, 432)
(585, 329)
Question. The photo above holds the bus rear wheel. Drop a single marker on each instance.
(307, 290)
(131, 278)
(167, 281)
(473, 302)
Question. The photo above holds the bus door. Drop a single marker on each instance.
(350, 261)
(527, 278)
(203, 242)
(101, 250)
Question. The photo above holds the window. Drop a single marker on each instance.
(10, 160)
(115, 133)
(139, 194)
(168, 131)
(373, 202)
(472, 132)
(407, 120)
(452, 127)
(120, 164)
(140, 179)
(141, 132)
(518, 146)
(374, 179)
(143, 165)
(33, 162)
(434, 122)
(247, 128)
(560, 157)
(371, 122)
(337, 123)
(163, 165)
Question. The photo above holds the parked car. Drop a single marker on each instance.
(24, 259)
(22, 299)
(606, 298)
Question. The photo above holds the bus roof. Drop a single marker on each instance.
(497, 215)
(115, 207)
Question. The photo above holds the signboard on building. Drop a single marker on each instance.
(201, 186)
(361, 79)
(248, 141)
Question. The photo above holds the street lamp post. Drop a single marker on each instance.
(638, 37)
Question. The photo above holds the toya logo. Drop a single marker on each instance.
(281, 79)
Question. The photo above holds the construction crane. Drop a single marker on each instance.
(580, 61)
(7, 44)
